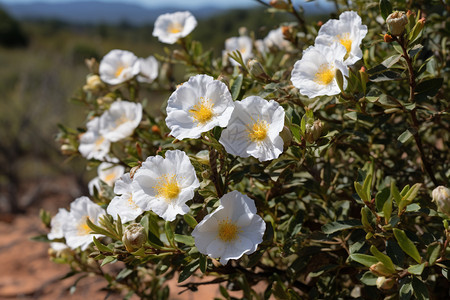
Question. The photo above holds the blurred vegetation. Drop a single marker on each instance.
(38, 79)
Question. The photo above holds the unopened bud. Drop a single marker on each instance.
(156, 129)
(363, 74)
(93, 83)
(388, 38)
(92, 64)
(422, 21)
(286, 135)
(384, 283)
(67, 149)
(134, 237)
(410, 13)
(243, 31)
(280, 4)
(380, 269)
(313, 131)
(203, 157)
(320, 23)
(287, 32)
(257, 70)
(441, 195)
(396, 22)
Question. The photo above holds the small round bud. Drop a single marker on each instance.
(421, 21)
(67, 149)
(134, 237)
(286, 135)
(410, 13)
(396, 22)
(384, 283)
(202, 157)
(441, 195)
(243, 31)
(380, 269)
(319, 23)
(257, 70)
(93, 83)
(313, 131)
(388, 38)
(155, 129)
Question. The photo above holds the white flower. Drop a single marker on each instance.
(92, 143)
(108, 173)
(198, 106)
(56, 231)
(124, 205)
(163, 185)
(441, 195)
(76, 230)
(275, 40)
(118, 66)
(241, 43)
(169, 28)
(232, 230)
(348, 31)
(120, 120)
(149, 69)
(254, 129)
(314, 75)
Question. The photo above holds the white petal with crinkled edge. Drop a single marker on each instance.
(240, 211)
(123, 204)
(170, 27)
(148, 69)
(75, 229)
(118, 66)
(57, 224)
(92, 143)
(350, 27)
(242, 43)
(175, 165)
(180, 118)
(235, 138)
(120, 120)
(303, 75)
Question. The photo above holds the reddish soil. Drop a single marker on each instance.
(28, 273)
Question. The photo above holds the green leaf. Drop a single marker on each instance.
(406, 291)
(433, 252)
(295, 129)
(428, 88)
(364, 259)
(108, 260)
(100, 246)
(420, 289)
(416, 269)
(394, 251)
(340, 225)
(387, 210)
(406, 244)
(124, 274)
(365, 215)
(190, 220)
(203, 263)
(169, 234)
(187, 240)
(412, 193)
(99, 230)
(381, 197)
(40, 238)
(386, 260)
(360, 191)
(405, 136)
(236, 87)
(385, 8)
(395, 194)
(367, 187)
(369, 279)
(189, 269)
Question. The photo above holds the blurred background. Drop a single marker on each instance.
(43, 47)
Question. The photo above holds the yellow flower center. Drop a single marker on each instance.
(325, 74)
(121, 120)
(258, 131)
(119, 71)
(202, 112)
(83, 228)
(131, 202)
(345, 40)
(167, 187)
(110, 178)
(175, 28)
(99, 142)
(228, 231)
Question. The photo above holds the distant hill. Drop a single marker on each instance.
(93, 12)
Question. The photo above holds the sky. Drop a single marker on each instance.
(159, 3)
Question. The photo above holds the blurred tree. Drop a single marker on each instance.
(11, 34)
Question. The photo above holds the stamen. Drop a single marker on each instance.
(83, 228)
(345, 40)
(202, 112)
(119, 71)
(174, 28)
(228, 231)
(167, 187)
(325, 74)
(258, 131)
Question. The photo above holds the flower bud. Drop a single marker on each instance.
(396, 22)
(288, 32)
(384, 283)
(319, 23)
(388, 38)
(441, 195)
(203, 157)
(134, 237)
(380, 269)
(313, 131)
(93, 83)
(155, 129)
(243, 31)
(280, 4)
(286, 135)
(257, 70)
(67, 149)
